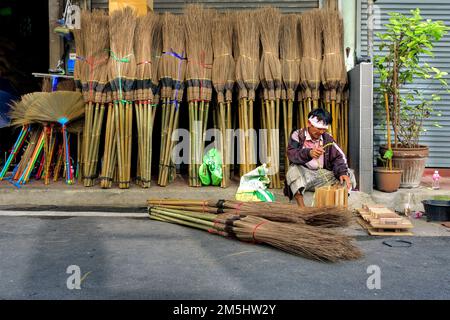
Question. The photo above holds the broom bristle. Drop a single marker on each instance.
(289, 54)
(247, 65)
(310, 26)
(199, 51)
(302, 240)
(143, 51)
(122, 29)
(333, 60)
(224, 65)
(156, 56)
(58, 106)
(270, 68)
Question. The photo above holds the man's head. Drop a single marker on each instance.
(318, 122)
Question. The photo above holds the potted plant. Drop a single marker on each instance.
(387, 178)
(407, 40)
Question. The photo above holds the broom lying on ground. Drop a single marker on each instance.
(299, 239)
(324, 217)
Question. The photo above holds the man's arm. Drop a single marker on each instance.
(339, 161)
(295, 151)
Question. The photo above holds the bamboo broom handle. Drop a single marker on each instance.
(189, 213)
(240, 137)
(130, 136)
(146, 120)
(167, 213)
(106, 150)
(277, 141)
(117, 120)
(191, 135)
(164, 130)
(97, 137)
(167, 147)
(179, 221)
(140, 129)
(251, 137)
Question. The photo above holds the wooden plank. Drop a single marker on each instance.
(377, 232)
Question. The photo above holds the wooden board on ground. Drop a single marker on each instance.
(383, 231)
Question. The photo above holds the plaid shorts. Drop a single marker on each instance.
(300, 178)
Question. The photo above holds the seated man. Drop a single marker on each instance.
(311, 149)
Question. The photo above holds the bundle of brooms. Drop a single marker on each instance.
(223, 75)
(95, 36)
(198, 78)
(295, 237)
(172, 68)
(144, 105)
(329, 217)
(333, 69)
(48, 109)
(122, 80)
(270, 75)
(290, 72)
(310, 63)
(247, 79)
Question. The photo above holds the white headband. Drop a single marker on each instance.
(318, 124)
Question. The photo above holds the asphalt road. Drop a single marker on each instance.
(124, 258)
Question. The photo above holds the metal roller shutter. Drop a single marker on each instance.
(436, 138)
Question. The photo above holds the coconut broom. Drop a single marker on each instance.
(323, 217)
(290, 70)
(332, 64)
(310, 65)
(123, 69)
(95, 37)
(270, 75)
(247, 78)
(172, 73)
(223, 81)
(307, 241)
(198, 79)
(144, 95)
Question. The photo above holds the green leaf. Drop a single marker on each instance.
(388, 154)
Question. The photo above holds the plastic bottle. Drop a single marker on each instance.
(436, 178)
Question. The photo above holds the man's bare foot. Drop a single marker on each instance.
(299, 198)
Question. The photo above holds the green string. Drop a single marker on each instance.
(124, 59)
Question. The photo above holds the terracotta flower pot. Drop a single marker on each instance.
(411, 161)
(387, 180)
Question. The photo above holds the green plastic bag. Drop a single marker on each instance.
(211, 168)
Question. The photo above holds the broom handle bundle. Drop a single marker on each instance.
(109, 150)
(17, 145)
(31, 163)
(170, 123)
(144, 117)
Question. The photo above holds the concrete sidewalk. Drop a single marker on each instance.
(59, 199)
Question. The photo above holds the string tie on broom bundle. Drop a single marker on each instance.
(92, 63)
(124, 59)
(254, 231)
(177, 85)
(204, 65)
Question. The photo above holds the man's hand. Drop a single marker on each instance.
(316, 152)
(347, 180)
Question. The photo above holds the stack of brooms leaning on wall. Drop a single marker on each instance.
(130, 68)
